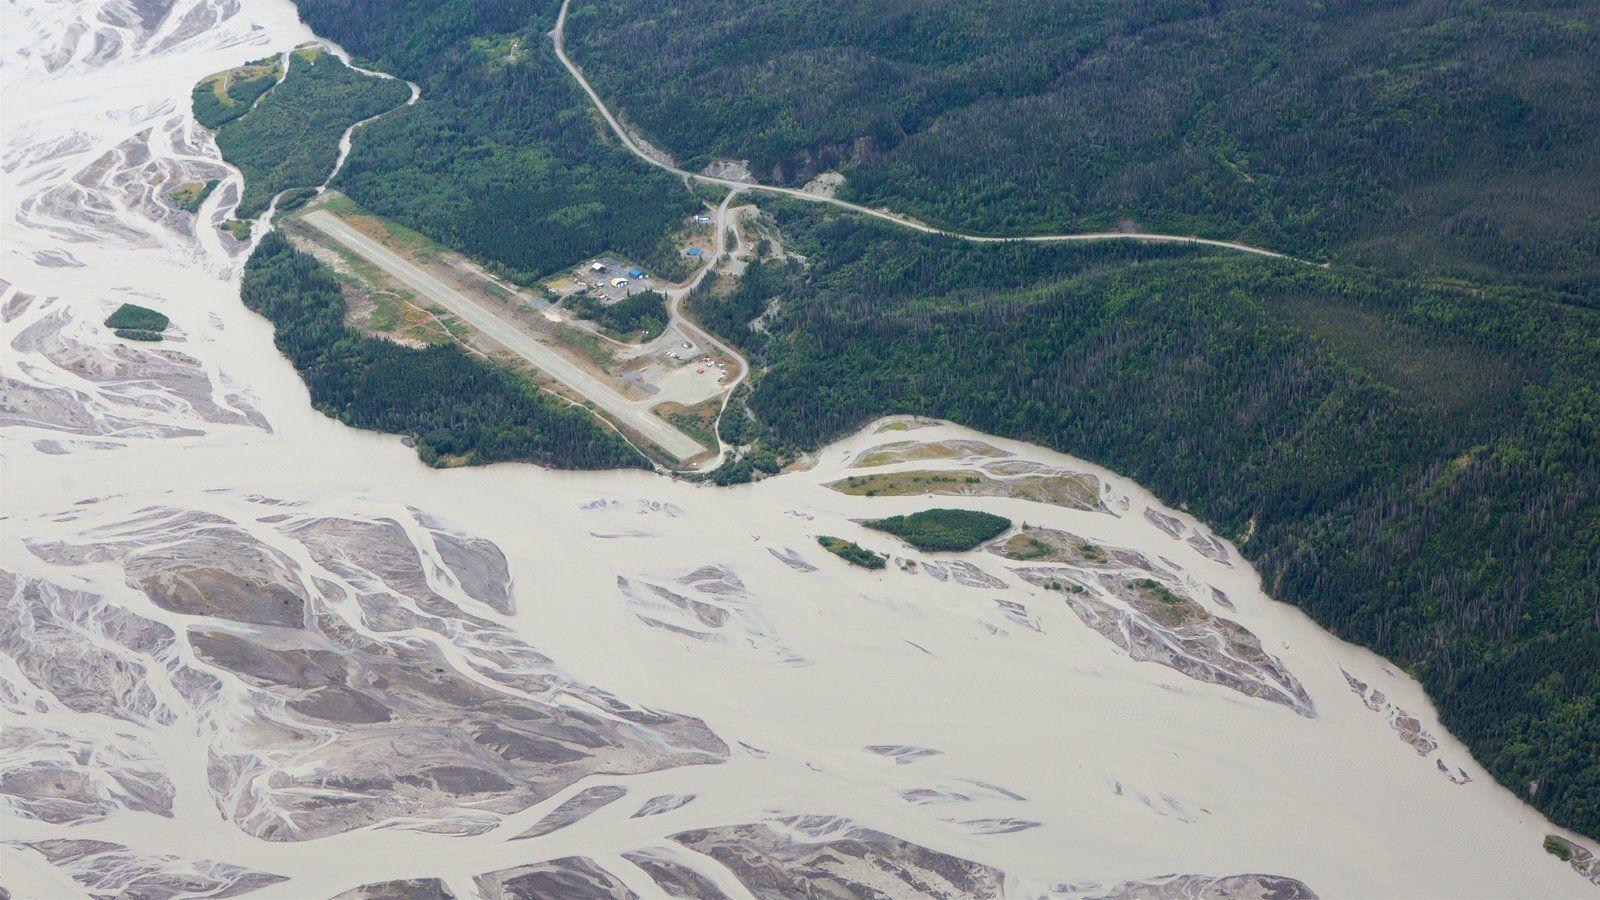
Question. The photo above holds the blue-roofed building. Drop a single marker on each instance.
(694, 251)
(635, 273)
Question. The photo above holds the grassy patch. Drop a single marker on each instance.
(901, 484)
(698, 421)
(385, 315)
(943, 530)
(1022, 547)
(390, 313)
(1070, 491)
(457, 328)
(1033, 543)
(906, 451)
(1169, 609)
(588, 343)
(190, 195)
(239, 228)
(852, 553)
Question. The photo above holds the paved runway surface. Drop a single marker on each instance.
(487, 322)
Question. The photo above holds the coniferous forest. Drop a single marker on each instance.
(1456, 138)
(290, 138)
(499, 158)
(640, 316)
(1406, 443)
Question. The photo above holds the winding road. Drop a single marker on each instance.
(558, 37)
(675, 298)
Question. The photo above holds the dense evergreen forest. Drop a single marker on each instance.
(290, 139)
(1430, 136)
(1418, 468)
(1413, 459)
(137, 318)
(459, 409)
(137, 323)
(641, 316)
(943, 530)
(501, 157)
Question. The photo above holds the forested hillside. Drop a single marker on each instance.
(1412, 459)
(1417, 468)
(1429, 136)
(500, 157)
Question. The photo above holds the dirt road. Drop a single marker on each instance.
(675, 297)
(632, 415)
(558, 35)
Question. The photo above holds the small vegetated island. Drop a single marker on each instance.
(852, 552)
(137, 323)
(943, 530)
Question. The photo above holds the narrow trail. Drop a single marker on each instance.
(558, 38)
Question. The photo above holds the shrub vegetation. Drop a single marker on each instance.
(852, 553)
